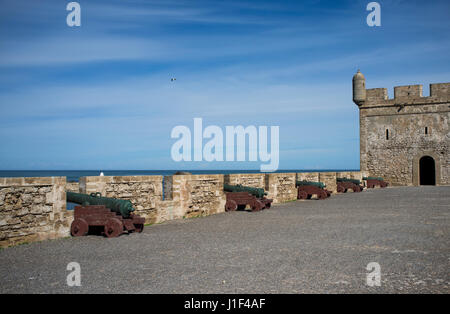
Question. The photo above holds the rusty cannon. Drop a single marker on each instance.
(239, 196)
(344, 184)
(306, 189)
(109, 215)
(375, 181)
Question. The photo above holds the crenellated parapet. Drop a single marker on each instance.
(408, 91)
(407, 95)
(403, 95)
(376, 95)
(440, 90)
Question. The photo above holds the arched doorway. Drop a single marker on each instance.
(427, 171)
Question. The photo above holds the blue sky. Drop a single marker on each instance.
(99, 96)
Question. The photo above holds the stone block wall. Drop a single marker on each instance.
(345, 174)
(396, 156)
(359, 175)
(376, 94)
(256, 180)
(329, 178)
(308, 176)
(73, 187)
(440, 90)
(408, 91)
(198, 195)
(281, 187)
(33, 209)
(184, 195)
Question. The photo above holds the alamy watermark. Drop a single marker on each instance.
(214, 149)
(373, 278)
(74, 277)
(74, 17)
(374, 17)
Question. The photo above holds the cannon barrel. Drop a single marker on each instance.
(123, 207)
(318, 184)
(373, 178)
(355, 181)
(258, 192)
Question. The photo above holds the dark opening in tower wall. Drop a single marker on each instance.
(427, 171)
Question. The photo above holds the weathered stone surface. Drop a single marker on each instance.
(281, 187)
(329, 178)
(206, 195)
(396, 133)
(35, 211)
(256, 180)
(184, 195)
(73, 187)
(308, 176)
(28, 207)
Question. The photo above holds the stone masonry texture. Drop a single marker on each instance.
(396, 133)
(33, 209)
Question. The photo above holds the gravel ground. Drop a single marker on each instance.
(298, 247)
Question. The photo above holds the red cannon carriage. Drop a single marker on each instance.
(344, 184)
(238, 197)
(98, 216)
(306, 189)
(375, 181)
(110, 216)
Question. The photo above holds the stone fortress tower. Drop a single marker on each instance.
(406, 139)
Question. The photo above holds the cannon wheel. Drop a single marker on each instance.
(138, 228)
(340, 189)
(113, 228)
(79, 227)
(231, 206)
(257, 206)
(322, 195)
(302, 195)
(268, 204)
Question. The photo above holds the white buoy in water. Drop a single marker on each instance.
(101, 174)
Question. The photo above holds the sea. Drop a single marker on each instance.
(74, 175)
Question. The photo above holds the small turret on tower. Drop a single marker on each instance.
(359, 88)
